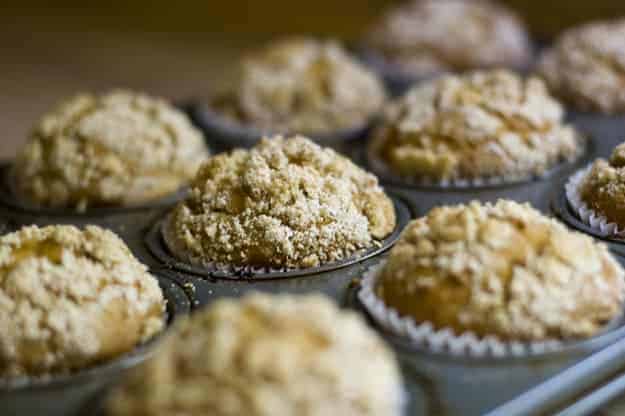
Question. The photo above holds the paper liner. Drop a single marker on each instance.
(382, 169)
(588, 216)
(444, 340)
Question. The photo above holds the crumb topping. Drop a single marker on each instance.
(70, 299)
(423, 37)
(267, 356)
(603, 189)
(303, 86)
(284, 203)
(117, 149)
(503, 270)
(487, 123)
(586, 66)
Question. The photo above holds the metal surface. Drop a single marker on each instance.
(224, 135)
(68, 395)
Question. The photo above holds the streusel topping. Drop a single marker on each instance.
(423, 37)
(603, 188)
(120, 148)
(70, 299)
(504, 270)
(586, 66)
(267, 356)
(284, 203)
(303, 86)
(491, 123)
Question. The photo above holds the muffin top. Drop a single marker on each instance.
(121, 148)
(603, 188)
(504, 270)
(586, 66)
(284, 203)
(422, 37)
(303, 86)
(70, 299)
(267, 356)
(487, 123)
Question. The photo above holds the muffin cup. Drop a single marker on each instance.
(224, 135)
(463, 374)
(537, 190)
(207, 282)
(71, 395)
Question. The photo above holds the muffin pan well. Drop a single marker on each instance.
(70, 395)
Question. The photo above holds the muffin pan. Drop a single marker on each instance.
(70, 395)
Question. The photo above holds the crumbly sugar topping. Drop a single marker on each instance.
(70, 299)
(422, 37)
(586, 66)
(502, 269)
(116, 149)
(487, 123)
(603, 189)
(267, 356)
(284, 203)
(303, 86)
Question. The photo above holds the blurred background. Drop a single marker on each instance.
(180, 49)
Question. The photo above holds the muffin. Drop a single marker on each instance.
(267, 356)
(70, 299)
(586, 64)
(603, 187)
(425, 37)
(502, 270)
(484, 124)
(118, 149)
(302, 86)
(286, 203)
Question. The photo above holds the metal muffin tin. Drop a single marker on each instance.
(224, 135)
(72, 394)
(437, 384)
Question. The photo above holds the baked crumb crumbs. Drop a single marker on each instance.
(423, 37)
(502, 269)
(284, 203)
(586, 66)
(484, 124)
(121, 148)
(70, 299)
(270, 356)
(303, 86)
(603, 189)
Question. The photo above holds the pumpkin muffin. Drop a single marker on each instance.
(267, 356)
(425, 37)
(480, 125)
(286, 203)
(302, 86)
(504, 270)
(118, 149)
(586, 66)
(603, 188)
(70, 299)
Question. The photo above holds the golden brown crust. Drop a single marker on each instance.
(267, 356)
(603, 188)
(586, 66)
(422, 37)
(284, 203)
(120, 148)
(70, 299)
(303, 86)
(504, 270)
(485, 124)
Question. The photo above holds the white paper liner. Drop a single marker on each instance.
(593, 219)
(232, 271)
(442, 340)
(380, 167)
